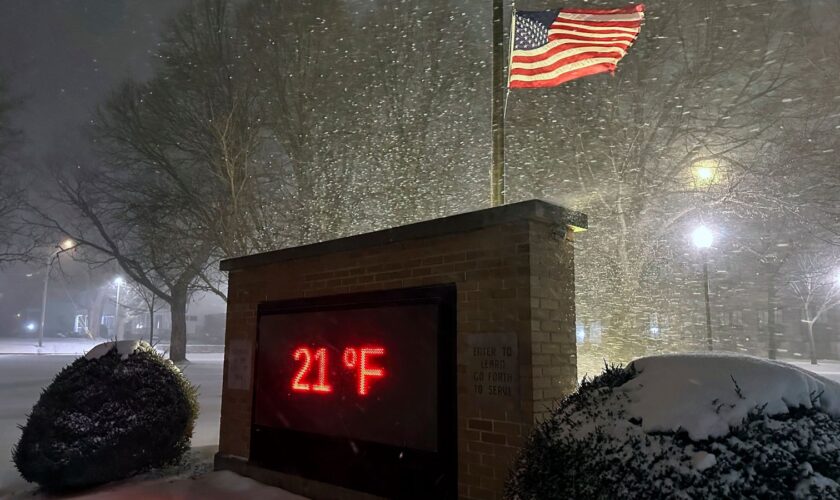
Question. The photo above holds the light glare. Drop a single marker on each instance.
(702, 237)
(704, 173)
(67, 244)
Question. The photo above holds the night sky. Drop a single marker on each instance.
(63, 56)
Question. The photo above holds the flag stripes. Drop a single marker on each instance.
(553, 47)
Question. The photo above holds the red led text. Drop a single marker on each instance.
(361, 360)
(304, 355)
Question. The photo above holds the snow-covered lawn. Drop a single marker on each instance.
(75, 347)
(829, 368)
(78, 347)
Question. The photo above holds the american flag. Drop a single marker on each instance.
(555, 46)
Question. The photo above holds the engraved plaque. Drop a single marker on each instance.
(492, 361)
(239, 368)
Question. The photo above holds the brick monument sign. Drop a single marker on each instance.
(405, 363)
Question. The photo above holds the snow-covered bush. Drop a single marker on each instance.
(688, 426)
(119, 410)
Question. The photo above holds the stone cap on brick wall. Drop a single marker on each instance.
(538, 210)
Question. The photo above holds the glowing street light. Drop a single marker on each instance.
(67, 244)
(704, 172)
(703, 237)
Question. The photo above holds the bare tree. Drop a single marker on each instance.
(430, 145)
(816, 284)
(157, 252)
(195, 127)
(369, 110)
(12, 193)
(788, 189)
(177, 183)
(771, 253)
(703, 86)
(143, 301)
(306, 59)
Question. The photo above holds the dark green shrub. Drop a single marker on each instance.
(107, 418)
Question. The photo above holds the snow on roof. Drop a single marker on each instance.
(708, 394)
(124, 348)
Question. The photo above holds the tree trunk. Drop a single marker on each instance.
(178, 314)
(120, 327)
(152, 321)
(94, 322)
(811, 345)
(771, 319)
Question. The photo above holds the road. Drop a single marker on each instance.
(23, 376)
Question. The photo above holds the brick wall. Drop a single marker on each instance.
(514, 278)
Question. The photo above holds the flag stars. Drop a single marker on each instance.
(532, 29)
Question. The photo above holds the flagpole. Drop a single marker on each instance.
(497, 170)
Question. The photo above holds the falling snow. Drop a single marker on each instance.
(163, 136)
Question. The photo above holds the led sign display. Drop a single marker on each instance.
(360, 390)
(365, 373)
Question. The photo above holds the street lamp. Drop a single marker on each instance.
(67, 244)
(117, 281)
(702, 237)
(704, 172)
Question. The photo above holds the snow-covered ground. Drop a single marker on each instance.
(828, 369)
(219, 485)
(75, 347)
(22, 376)
(193, 479)
(78, 347)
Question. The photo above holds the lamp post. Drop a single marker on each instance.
(117, 281)
(65, 245)
(702, 237)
